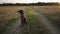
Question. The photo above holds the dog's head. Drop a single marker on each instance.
(21, 11)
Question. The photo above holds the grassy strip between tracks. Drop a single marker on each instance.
(35, 25)
(8, 23)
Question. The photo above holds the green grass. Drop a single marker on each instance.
(8, 23)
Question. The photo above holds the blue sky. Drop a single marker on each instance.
(27, 1)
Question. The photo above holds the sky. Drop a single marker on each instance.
(27, 1)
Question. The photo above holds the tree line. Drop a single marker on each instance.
(37, 4)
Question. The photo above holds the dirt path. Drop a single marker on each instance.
(46, 23)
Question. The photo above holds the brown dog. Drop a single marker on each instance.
(23, 18)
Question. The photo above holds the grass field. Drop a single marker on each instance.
(8, 15)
